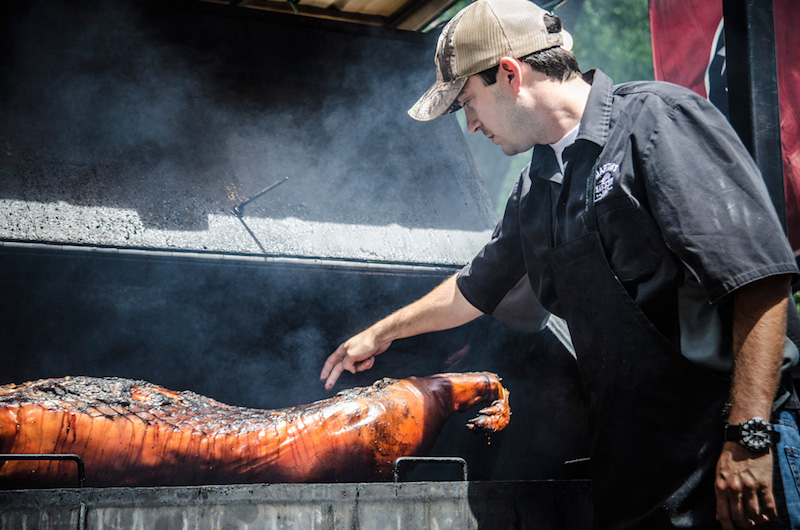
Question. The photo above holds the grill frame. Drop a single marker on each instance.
(457, 505)
(82, 299)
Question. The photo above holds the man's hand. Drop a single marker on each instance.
(744, 488)
(355, 355)
(442, 308)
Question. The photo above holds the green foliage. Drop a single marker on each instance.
(614, 35)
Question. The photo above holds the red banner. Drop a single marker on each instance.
(689, 50)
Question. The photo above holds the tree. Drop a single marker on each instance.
(613, 35)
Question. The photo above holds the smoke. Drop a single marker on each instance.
(92, 82)
(180, 114)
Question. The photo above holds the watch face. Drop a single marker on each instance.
(755, 434)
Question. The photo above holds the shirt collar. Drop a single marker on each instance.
(544, 164)
(596, 117)
(594, 126)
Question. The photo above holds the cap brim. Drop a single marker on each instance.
(438, 100)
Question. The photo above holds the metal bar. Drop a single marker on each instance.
(282, 6)
(82, 517)
(238, 211)
(373, 267)
(35, 456)
(433, 459)
(753, 106)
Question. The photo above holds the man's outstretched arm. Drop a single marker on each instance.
(442, 308)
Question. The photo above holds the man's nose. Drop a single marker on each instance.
(473, 124)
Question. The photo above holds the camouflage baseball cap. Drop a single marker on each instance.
(476, 39)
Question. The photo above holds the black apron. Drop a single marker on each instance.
(657, 418)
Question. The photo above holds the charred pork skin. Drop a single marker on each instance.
(134, 433)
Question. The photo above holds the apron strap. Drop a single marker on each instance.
(589, 213)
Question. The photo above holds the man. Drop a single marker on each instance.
(641, 199)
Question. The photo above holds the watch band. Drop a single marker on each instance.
(755, 434)
(733, 433)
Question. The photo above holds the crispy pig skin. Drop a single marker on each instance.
(134, 433)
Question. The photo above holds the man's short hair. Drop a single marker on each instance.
(556, 63)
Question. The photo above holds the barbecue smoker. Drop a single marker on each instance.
(212, 198)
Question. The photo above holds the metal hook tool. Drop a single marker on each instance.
(238, 211)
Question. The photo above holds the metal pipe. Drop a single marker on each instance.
(753, 106)
(368, 267)
(36, 456)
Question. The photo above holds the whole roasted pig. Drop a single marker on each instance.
(134, 433)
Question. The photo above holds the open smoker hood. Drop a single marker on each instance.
(141, 125)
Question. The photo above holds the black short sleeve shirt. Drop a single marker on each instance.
(674, 191)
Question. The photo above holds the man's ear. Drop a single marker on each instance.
(509, 73)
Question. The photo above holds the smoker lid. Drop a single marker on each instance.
(133, 125)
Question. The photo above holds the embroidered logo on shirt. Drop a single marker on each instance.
(604, 180)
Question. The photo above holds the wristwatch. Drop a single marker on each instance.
(755, 434)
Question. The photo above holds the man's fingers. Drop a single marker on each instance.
(742, 506)
(767, 510)
(326, 369)
(366, 364)
(768, 506)
(724, 512)
(333, 359)
(730, 512)
(745, 508)
(744, 489)
(354, 355)
(751, 509)
(758, 504)
(336, 371)
(740, 520)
